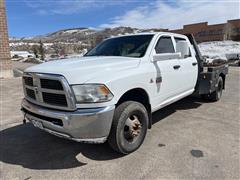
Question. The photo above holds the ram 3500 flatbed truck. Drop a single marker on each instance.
(111, 92)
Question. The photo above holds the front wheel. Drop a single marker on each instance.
(129, 127)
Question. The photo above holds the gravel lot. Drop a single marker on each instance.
(190, 139)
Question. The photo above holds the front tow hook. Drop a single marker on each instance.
(24, 117)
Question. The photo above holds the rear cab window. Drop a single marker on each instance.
(177, 39)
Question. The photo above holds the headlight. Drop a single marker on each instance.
(90, 93)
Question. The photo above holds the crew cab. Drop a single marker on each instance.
(110, 93)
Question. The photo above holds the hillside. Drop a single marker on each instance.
(71, 41)
(75, 35)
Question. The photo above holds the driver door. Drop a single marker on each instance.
(168, 76)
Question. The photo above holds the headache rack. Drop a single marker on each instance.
(48, 90)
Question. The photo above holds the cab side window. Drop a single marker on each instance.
(164, 45)
(182, 39)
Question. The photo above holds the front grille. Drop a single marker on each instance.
(54, 99)
(48, 90)
(28, 80)
(51, 84)
(30, 93)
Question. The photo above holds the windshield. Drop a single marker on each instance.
(128, 46)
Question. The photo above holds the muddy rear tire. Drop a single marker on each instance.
(216, 95)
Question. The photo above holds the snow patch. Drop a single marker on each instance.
(225, 50)
(23, 54)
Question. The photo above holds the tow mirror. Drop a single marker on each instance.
(183, 48)
(166, 56)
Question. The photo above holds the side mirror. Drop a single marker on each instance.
(166, 56)
(183, 48)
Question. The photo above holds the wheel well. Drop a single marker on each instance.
(223, 77)
(138, 95)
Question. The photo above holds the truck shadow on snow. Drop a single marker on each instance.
(32, 148)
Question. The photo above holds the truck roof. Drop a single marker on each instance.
(150, 33)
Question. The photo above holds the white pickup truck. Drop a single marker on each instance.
(111, 92)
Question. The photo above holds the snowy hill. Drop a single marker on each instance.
(84, 35)
(72, 40)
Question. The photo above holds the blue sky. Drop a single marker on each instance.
(36, 17)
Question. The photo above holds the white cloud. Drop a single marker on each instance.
(68, 7)
(60, 6)
(72, 7)
(173, 15)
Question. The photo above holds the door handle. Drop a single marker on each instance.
(194, 63)
(176, 67)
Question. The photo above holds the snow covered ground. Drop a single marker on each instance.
(220, 49)
(24, 54)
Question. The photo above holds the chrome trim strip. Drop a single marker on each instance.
(95, 140)
(46, 90)
(51, 91)
(67, 91)
(29, 87)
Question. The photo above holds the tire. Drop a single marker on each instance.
(216, 95)
(122, 137)
(205, 97)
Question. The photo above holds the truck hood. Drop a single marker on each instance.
(81, 70)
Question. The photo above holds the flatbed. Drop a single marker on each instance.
(209, 75)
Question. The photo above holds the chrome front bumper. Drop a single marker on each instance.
(83, 125)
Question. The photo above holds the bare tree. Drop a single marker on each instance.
(35, 50)
(41, 50)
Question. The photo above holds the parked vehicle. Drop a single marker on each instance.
(111, 92)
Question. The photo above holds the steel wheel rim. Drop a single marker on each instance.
(132, 128)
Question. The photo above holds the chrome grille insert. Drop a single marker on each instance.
(48, 90)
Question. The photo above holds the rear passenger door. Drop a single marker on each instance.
(189, 68)
(168, 70)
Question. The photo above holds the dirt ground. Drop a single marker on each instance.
(190, 139)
